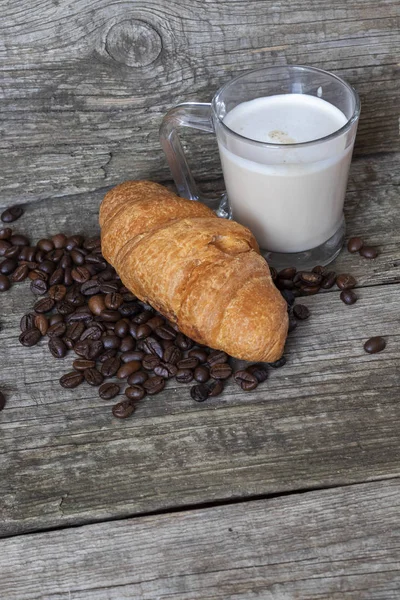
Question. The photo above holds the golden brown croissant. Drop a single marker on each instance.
(201, 272)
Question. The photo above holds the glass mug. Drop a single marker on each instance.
(285, 137)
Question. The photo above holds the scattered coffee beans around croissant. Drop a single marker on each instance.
(83, 306)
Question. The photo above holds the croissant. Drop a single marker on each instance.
(203, 273)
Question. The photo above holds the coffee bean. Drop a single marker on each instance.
(57, 292)
(310, 279)
(4, 246)
(96, 304)
(132, 355)
(11, 214)
(348, 297)
(128, 368)
(19, 240)
(83, 349)
(44, 305)
(36, 274)
(354, 244)
(12, 252)
(38, 287)
(42, 324)
(188, 363)
(166, 370)
(110, 367)
(287, 273)
(129, 309)
(369, 252)
(20, 273)
(92, 243)
(75, 330)
(95, 349)
(109, 390)
(301, 312)
(137, 378)
(278, 363)
(309, 290)
(81, 315)
(184, 375)
(108, 287)
(345, 281)
(106, 355)
(5, 233)
(153, 346)
(111, 341)
(165, 332)
(150, 362)
(143, 331)
(284, 284)
(55, 255)
(183, 342)
(111, 316)
(199, 393)
(5, 283)
(28, 253)
(30, 337)
(328, 280)
(71, 380)
(318, 269)
(90, 288)
(47, 267)
(172, 355)
(66, 262)
(259, 371)
(121, 328)
(247, 381)
(57, 347)
(59, 240)
(198, 353)
(123, 409)
(27, 322)
(45, 244)
(80, 274)
(201, 374)
(2, 401)
(135, 392)
(215, 388)
(81, 364)
(374, 345)
(68, 277)
(217, 357)
(8, 266)
(65, 308)
(220, 371)
(55, 318)
(127, 343)
(274, 273)
(77, 258)
(155, 322)
(142, 318)
(57, 277)
(113, 300)
(154, 385)
(73, 241)
(93, 376)
(292, 324)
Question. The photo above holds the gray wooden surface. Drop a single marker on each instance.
(330, 417)
(332, 544)
(85, 83)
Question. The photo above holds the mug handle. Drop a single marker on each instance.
(196, 115)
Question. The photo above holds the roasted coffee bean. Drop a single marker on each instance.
(345, 281)
(166, 370)
(374, 345)
(55, 318)
(13, 252)
(74, 241)
(91, 333)
(77, 257)
(68, 277)
(121, 328)
(172, 355)
(310, 279)
(106, 355)
(2, 401)
(309, 290)
(68, 342)
(36, 274)
(318, 269)
(75, 297)
(128, 296)
(95, 349)
(154, 385)
(4, 246)
(111, 342)
(108, 390)
(93, 376)
(155, 322)
(57, 277)
(71, 380)
(66, 262)
(38, 287)
(27, 321)
(80, 315)
(142, 318)
(80, 274)
(47, 267)
(369, 252)
(92, 243)
(284, 284)
(57, 292)
(20, 273)
(354, 244)
(45, 244)
(11, 214)
(90, 288)
(42, 324)
(292, 324)
(19, 240)
(143, 331)
(150, 361)
(287, 273)
(199, 393)
(96, 304)
(247, 381)
(135, 392)
(30, 337)
(200, 354)
(55, 255)
(215, 388)
(301, 312)
(57, 347)
(165, 332)
(201, 374)
(28, 253)
(83, 349)
(110, 367)
(8, 266)
(5, 283)
(274, 273)
(289, 296)
(65, 308)
(188, 363)
(5, 233)
(348, 297)
(328, 280)
(184, 375)
(132, 355)
(56, 330)
(137, 378)
(278, 363)
(123, 409)
(128, 368)
(153, 346)
(39, 257)
(220, 371)
(183, 342)
(75, 330)
(111, 316)
(59, 240)
(217, 357)
(113, 300)
(44, 305)
(127, 343)
(259, 370)
(81, 364)
(129, 309)
(109, 287)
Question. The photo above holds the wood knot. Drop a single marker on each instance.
(134, 43)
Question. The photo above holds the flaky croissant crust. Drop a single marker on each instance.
(201, 272)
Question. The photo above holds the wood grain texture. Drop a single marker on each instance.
(330, 417)
(333, 544)
(85, 83)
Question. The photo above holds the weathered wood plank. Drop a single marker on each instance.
(331, 416)
(85, 84)
(336, 544)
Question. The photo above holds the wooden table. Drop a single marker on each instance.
(291, 491)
